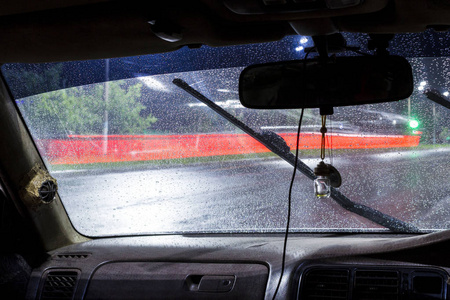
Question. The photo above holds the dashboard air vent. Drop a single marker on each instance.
(376, 285)
(325, 284)
(59, 285)
(71, 256)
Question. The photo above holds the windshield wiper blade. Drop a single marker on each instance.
(277, 145)
(436, 97)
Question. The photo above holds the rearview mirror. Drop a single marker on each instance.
(341, 81)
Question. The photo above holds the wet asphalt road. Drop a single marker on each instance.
(243, 195)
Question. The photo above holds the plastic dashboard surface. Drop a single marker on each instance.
(159, 280)
(234, 266)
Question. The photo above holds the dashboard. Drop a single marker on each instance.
(229, 266)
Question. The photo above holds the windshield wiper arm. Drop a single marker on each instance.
(277, 145)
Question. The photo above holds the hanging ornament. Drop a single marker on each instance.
(327, 175)
(322, 184)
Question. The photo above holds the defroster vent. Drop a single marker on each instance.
(376, 284)
(59, 285)
(325, 284)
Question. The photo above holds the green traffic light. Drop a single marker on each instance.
(413, 124)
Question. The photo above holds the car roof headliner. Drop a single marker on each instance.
(51, 30)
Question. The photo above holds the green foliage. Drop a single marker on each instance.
(125, 111)
(80, 110)
(30, 79)
(445, 135)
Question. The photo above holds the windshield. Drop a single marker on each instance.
(135, 154)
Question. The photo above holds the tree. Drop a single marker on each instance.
(125, 112)
(80, 110)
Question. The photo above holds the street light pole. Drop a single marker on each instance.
(105, 117)
(409, 108)
(434, 123)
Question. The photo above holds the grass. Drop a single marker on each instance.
(310, 153)
(431, 146)
(163, 162)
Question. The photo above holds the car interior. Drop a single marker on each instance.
(44, 256)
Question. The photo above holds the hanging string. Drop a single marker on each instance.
(327, 142)
(330, 141)
(323, 130)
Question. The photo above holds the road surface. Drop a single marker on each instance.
(252, 195)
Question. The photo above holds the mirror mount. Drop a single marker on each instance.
(329, 44)
(321, 45)
(380, 43)
(326, 110)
